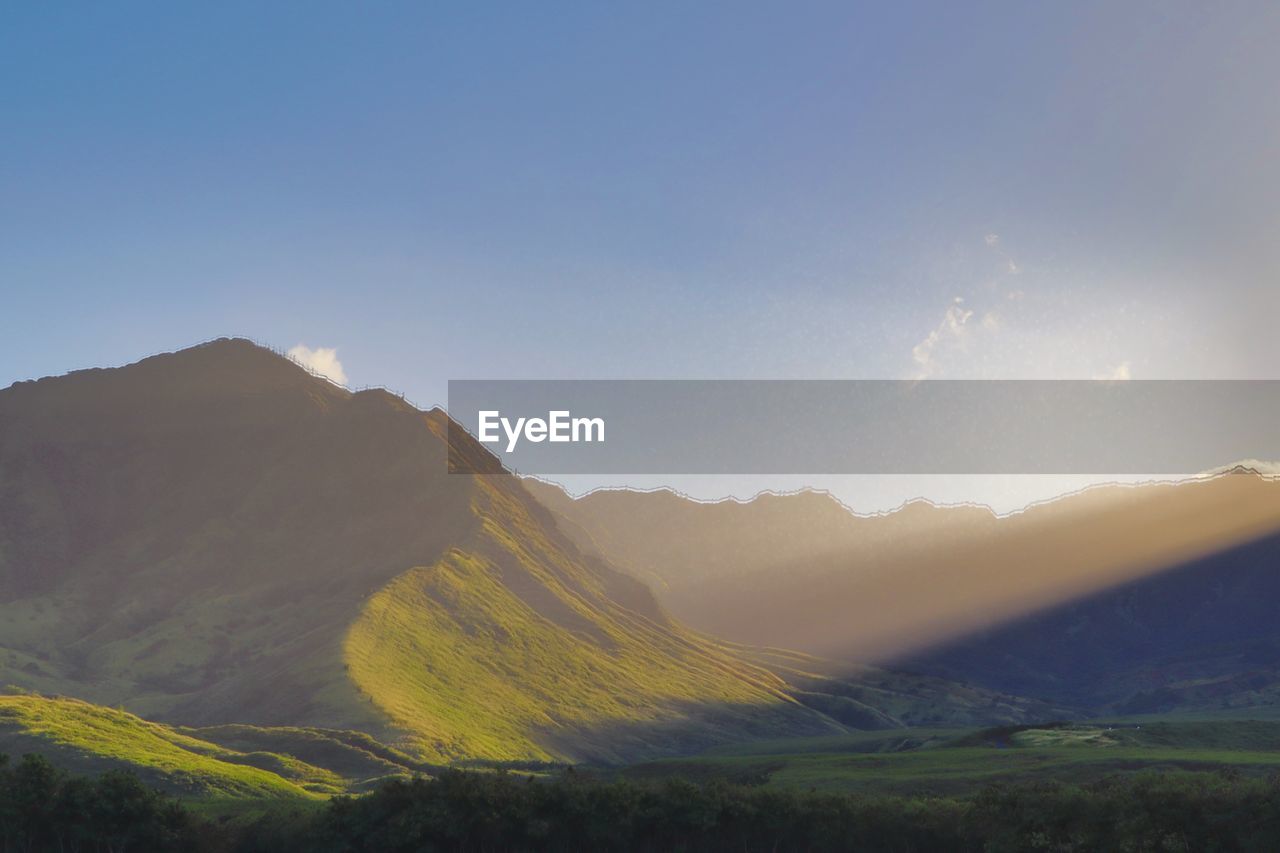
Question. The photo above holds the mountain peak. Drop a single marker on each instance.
(1243, 468)
(226, 363)
(211, 374)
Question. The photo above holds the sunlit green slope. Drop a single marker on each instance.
(511, 647)
(86, 738)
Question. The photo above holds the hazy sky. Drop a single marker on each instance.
(649, 190)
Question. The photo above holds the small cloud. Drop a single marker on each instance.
(1013, 267)
(992, 240)
(991, 321)
(1119, 373)
(322, 361)
(951, 328)
(1015, 295)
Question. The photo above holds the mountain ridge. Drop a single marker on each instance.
(903, 588)
(216, 536)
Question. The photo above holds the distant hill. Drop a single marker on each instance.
(1204, 635)
(692, 551)
(216, 537)
(1157, 596)
(89, 739)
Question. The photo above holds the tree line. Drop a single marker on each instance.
(490, 812)
(44, 809)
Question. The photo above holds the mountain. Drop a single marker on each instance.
(1204, 635)
(693, 552)
(1095, 600)
(215, 537)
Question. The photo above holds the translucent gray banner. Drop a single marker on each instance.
(863, 427)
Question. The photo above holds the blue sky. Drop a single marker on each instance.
(645, 190)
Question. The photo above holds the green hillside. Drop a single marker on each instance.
(85, 738)
(215, 537)
(456, 655)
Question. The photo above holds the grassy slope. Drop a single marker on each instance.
(508, 648)
(228, 762)
(947, 761)
(89, 738)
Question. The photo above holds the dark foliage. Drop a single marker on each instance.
(490, 812)
(41, 809)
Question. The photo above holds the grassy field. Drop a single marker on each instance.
(950, 761)
(250, 769)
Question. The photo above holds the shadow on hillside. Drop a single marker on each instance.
(1205, 634)
(688, 728)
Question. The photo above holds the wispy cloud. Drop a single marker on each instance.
(951, 336)
(952, 329)
(322, 361)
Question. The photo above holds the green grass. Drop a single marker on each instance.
(355, 758)
(948, 762)
(241, 772)
(509, 649)
(221, 764)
